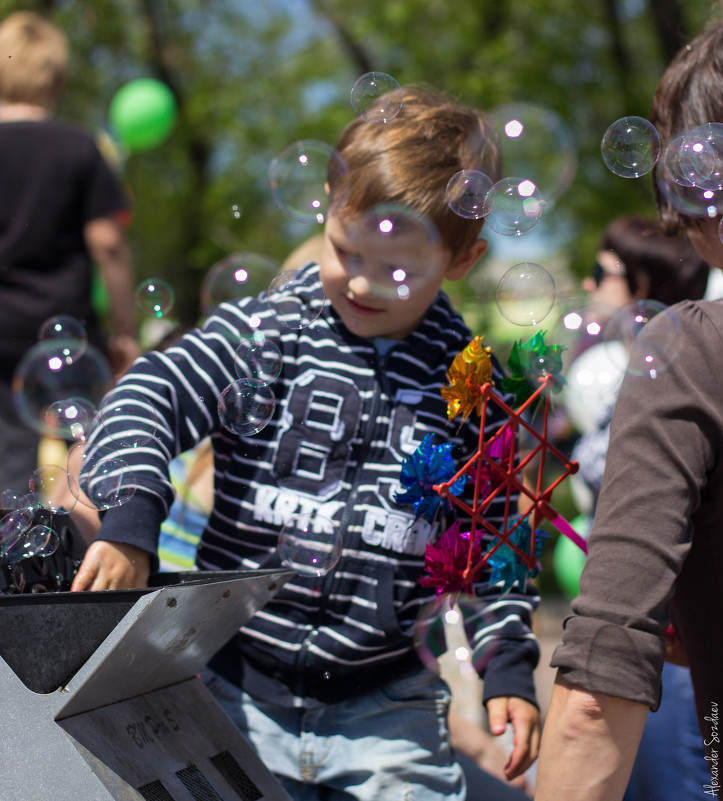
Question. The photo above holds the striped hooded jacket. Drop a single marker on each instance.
(345, 418)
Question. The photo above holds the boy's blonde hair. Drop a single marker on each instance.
(410, 159)
(34, 57)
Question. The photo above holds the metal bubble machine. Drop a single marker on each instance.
(100, 696)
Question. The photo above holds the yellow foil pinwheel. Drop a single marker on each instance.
(468, 373)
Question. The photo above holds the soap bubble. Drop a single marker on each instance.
(99, 478)
(376, 97)
(310, 544)
(467, 192)
(258, 357)
(537, 146)
(155, 297)
(66, 328)
(447, 631)
(239, 275)
(12, 526)
(695, 157)
(516, 206)
(246, 406)
(402, 246)
(70, 418)
(692, 201)
(50, 373)
(127, 418)
(525, 294)
(630, 147)
(307, 179)
(690, 174)
(39, 540)
(15, 499)
(295, 302)
(50, 485)
(647, 351)
(575, 325)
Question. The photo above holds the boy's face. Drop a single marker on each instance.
(381, 277)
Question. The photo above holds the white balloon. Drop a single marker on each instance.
(593, 381)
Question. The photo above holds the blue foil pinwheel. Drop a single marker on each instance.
(507, 566)
(430, 464)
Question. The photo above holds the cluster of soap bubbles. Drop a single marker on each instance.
(514, 205)
(21, 536)
(61, 390)
(602, 344)
(689, 172)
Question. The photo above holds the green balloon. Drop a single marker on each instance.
(568, 559)
(143, 113)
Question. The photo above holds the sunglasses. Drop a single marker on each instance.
(599, 272)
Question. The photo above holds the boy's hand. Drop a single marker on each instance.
(525, 720)
(112, 566)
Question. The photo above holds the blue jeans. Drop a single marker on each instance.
(670, 765)
(390, 744)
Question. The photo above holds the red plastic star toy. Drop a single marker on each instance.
(494, 470)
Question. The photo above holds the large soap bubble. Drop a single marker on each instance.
(51, 377)
(50, 485)
(515, 206)
(301, 178)
(647, 351)
(127, 418)
(525, 294)
(99, 478)
(258, 357)
(246, 406)
(296, 304)
(467, 192)
(376, 97)
(630, 147)
(537, 146)
(310, 545)
(236, 276)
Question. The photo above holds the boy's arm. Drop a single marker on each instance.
(124, 552)
(112, 566)
(525, 720)
(508, 651)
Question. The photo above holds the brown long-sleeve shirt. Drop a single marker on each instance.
(657, 543)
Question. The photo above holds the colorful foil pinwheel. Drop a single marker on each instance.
(528, 362)
(427, 467)
(495, 470)
(468, 373)
(506, 564)
(446, 561)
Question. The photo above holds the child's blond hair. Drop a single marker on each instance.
(34, 57)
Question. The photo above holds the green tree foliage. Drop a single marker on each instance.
(252, 77)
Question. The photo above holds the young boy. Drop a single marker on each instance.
(325, 680)
(656, 550)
